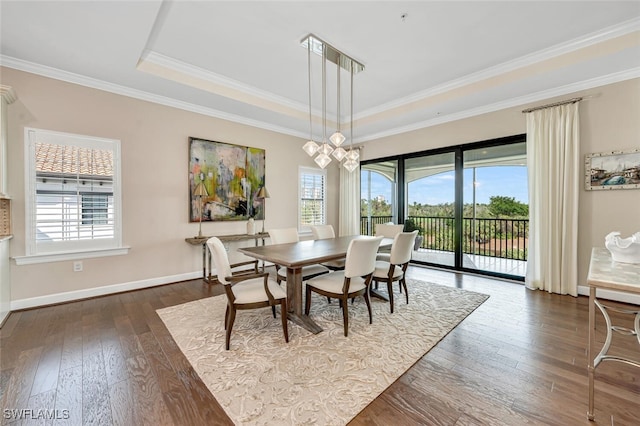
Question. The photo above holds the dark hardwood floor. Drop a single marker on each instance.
(520, 358)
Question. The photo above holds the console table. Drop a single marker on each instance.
(604, 273)
(206, 256)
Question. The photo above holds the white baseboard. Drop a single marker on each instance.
(69, 296)
(618, 296)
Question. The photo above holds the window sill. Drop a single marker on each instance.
(58, 257)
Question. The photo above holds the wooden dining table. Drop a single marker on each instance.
(294, 256)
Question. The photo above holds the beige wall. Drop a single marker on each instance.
(609, 120)
(154, 173)
(154, 146)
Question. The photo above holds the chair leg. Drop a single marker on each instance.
(328, 299)
(283, 314)
(390, 290)
(345, 316)
(406, 292)
(368, 302)
(226, 317)
(273, 310)
(232, 318)
(307, 304)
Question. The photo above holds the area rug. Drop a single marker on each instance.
(323, 379)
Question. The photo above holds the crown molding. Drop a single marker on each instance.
(605, 34)
(93, 83)
(186, 69)
(509, 103)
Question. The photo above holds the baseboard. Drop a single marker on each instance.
(52, 299)
(617, 296)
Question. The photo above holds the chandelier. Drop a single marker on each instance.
(324, 148)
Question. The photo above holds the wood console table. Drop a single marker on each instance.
(206, 256)
(604, 273)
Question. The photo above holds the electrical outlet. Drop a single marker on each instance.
(77, 266)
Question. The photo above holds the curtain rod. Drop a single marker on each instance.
(569, 101)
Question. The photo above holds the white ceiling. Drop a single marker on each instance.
(243, 61)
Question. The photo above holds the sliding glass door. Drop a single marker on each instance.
(431, 193)
(379, 195)
(469, 202)
(496, 211)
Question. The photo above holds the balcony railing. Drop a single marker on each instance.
(503, 238)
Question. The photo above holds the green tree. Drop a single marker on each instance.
(501, 206)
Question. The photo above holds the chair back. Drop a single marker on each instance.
(220, 259)
(284, 235)
(402, 247)
(388, 230)
(361, 256)
(322, 232)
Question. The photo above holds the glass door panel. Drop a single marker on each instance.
(430, 198)
(495, 214)
(378, 193)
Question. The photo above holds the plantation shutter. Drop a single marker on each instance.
(312, 197)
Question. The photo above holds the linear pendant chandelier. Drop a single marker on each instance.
(324, 150)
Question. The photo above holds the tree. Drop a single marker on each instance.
(501, 206)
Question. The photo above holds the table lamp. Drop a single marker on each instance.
(200, 191)
(262, 194)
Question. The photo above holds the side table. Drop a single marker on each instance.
(206, 256)
(604, 273)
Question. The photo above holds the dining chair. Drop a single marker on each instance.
(323, 232)
(351, 282)
(395, 269)
(246, 290)
(387, 230)
(290, 235)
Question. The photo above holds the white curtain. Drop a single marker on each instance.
(553, 162)
(349, 205)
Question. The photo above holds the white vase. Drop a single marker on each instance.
(251, 226)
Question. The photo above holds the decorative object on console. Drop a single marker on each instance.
(199, 192)
(232, 176)
(251, 226)
(262, 195)
(626, 250)
(324, 149)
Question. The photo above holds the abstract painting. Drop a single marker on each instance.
(232, 176)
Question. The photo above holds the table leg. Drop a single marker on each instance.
(294, 300)
(204, 262)
(590, 349)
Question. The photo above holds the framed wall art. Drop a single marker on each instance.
(224, 180)
(612, 170)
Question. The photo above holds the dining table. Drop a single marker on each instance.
(294, 256)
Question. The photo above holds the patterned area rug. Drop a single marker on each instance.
(323, 379)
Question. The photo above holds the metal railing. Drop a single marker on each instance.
(503, 238)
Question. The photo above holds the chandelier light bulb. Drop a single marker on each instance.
(337, 138)
(325, 149)
(311, 148)
(322, 160)
(351, 165)
(339, 153)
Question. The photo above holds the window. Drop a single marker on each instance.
(312, 195)
(72, 193)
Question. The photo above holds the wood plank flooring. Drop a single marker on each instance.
(520, 358)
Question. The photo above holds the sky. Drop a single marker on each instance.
(508, 181)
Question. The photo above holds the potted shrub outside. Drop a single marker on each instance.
(410, 226)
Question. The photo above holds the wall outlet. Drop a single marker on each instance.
(77, 266)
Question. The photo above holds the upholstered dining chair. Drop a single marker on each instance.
(246, 290)
(290, 235)
(396, 267)
(351, 282)
(387, 230)
(322, 232)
